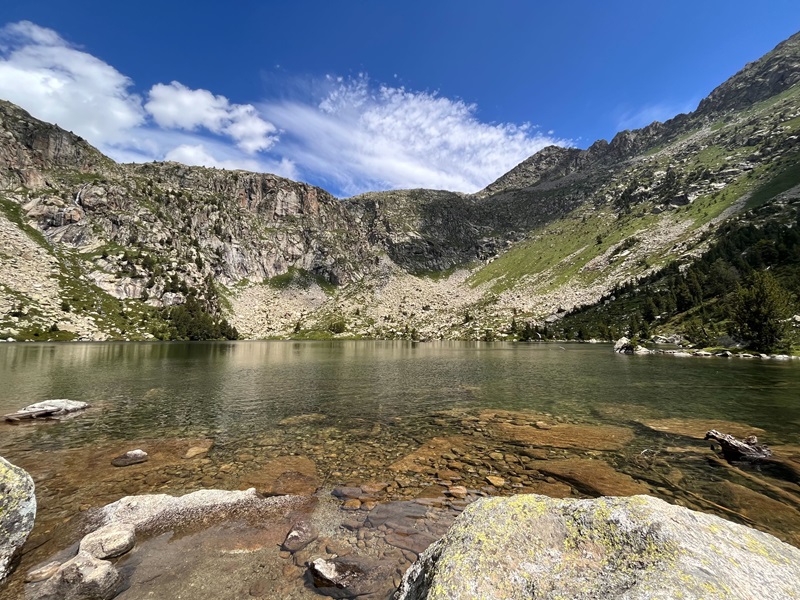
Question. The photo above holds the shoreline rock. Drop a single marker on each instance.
(58, 407)
(635, 548)
(17, 513)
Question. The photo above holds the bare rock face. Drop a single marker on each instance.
(17, 512)
(81, 578)
(635, 548)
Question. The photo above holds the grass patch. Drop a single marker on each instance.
(300, 278)
(13, 213)
(786, 176)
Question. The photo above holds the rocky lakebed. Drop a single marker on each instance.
(308, 511)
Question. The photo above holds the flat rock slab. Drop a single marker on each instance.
(592, 477)
(48, 408)
(637, 548)
(565, 435)
(17, 512)
(295, 475)
(697, 428)
(161, 511)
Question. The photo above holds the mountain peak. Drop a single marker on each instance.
(773, 73)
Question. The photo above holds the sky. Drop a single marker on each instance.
(361, 95)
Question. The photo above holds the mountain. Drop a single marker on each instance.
(92, 249)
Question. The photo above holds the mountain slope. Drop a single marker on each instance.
(93, 249)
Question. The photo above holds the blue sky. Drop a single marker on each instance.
(358, 95)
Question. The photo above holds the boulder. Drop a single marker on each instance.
(636, 548)
(623, 346)
(114, 539)
(84, 577)
(17, 512)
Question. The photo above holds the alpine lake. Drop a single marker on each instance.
(388, 442)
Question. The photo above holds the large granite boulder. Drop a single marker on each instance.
(17, 512)
(635, 548)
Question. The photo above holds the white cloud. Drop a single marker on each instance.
(363, 137)
(177, 106)
(350, 135)
(58, 83)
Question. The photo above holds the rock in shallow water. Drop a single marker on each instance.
(82, 578)
(58, 407)
(634, 548)
(301, 535)
(17, 512)
(350, 577)
(109, 541)
(132, 457)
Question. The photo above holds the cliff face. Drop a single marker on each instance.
(280, 256)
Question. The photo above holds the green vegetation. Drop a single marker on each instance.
(192, 321)
(725, 295)
(761, 312)
(302, 279)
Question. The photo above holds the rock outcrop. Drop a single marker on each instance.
(17, 512)
(634, 548)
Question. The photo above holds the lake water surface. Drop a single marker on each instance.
(569, 420)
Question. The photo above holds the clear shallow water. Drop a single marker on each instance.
(234, 390)
(573, 421)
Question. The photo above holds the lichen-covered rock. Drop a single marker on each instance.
(84, 577)
(634, 548)
(17, 512)
(109, 541)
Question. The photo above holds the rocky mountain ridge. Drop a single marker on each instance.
(95, 250)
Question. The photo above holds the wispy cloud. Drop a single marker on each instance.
(644, 115)
(362, 136)
(350, 134)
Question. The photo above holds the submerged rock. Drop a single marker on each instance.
(634, 548)
(301, 535)
(17, 512)
(44, 572)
